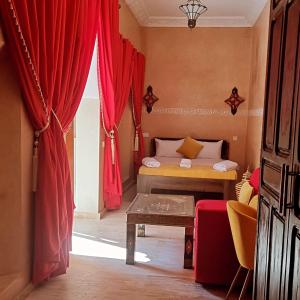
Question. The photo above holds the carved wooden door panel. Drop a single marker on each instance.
(292, 276)
(277, 270)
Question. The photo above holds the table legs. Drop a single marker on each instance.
(130, 244)
(141, 230)
(188, 247)
(226, 190)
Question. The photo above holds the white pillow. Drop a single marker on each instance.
(211, 150)
(168, 148)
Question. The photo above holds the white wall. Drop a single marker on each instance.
(87, 139)
(91, 89)
(87, 157)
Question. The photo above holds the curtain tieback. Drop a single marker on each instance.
(35, 157)
(136, 139)
(112, 145)
(37, 134)
(57, 119)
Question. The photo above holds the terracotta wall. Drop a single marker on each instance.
(257, 88)
(131, 30)
(192, 73)
(15, 185)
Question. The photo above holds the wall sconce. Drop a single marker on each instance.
(234, 100)
(150, 99)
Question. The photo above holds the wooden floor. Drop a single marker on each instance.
(98, 269)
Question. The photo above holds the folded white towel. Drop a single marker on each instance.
(185, 163)
(150, 162)
(225, 165)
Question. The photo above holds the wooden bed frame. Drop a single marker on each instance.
(149, 183)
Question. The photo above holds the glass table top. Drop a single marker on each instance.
(157, 204)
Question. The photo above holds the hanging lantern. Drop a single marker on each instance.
(193, 9)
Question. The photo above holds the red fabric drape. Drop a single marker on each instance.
(115, 69)
(51, 43)
(138, 88)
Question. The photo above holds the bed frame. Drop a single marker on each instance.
(151, 184)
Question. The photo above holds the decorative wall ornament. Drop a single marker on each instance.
(186, 111)
(150, 99)
(193, 9)
(234, 100)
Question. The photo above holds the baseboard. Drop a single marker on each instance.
(130, 192)
(86, 215)
(102, 213)
(128, 184)
(15, 286)
(25, 292)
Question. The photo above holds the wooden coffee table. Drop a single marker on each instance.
(165, 210)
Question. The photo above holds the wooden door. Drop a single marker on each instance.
(277, 273)
(292, 278)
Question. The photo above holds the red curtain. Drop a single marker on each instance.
(138, 89)
(115, 69)
(51, 43)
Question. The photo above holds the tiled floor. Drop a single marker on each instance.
(98, 269)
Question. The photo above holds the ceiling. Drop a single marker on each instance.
(221, 13)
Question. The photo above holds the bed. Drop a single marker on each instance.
(169, 177)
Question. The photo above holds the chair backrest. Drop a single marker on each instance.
(254, 202)
(243, 219)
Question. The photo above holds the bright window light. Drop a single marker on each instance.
(83, 234)
(86, 247)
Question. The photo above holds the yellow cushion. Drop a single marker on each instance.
(190, 148)
(254, 202)
(245, 177)
(245, 193)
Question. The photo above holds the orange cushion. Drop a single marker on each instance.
(190, 148)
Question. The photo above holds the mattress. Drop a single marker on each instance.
(201, 169)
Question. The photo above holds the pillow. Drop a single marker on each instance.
(245, 193)
(254, 202)
(211, 150)
(190, 148)
(168, 148)
(245, 177)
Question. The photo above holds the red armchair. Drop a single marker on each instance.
(215, 260)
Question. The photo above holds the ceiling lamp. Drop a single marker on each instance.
(193, 9)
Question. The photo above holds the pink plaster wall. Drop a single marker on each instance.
(257, 88)
(15, 185)
(192, 73)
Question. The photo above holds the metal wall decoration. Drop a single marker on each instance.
(234, 100)
(150, 99)
(193, 9)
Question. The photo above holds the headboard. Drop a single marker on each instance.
(224, 151)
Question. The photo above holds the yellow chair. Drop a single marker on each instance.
(242, 219)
